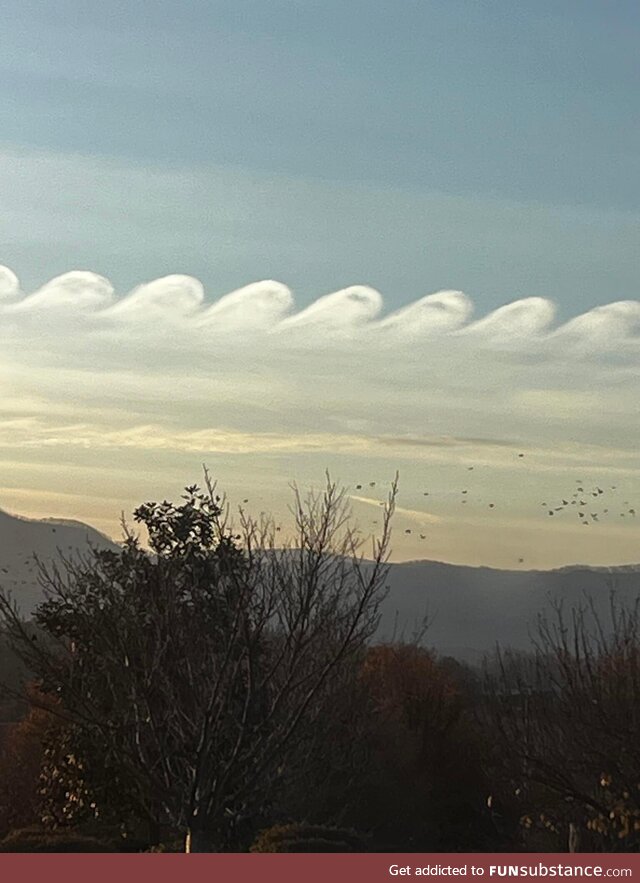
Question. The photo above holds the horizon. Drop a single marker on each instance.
(317, 237)
(520, 567)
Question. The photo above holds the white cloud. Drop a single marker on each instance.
(179, 302)
(155, 381)
(419, 515)
(249, 362)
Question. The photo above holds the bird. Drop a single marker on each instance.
(491, 505)
(423, 536)
(521, 455)
(358, 487)
(372, 484)
(408, 530)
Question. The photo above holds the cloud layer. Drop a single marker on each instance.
(250, 362)
(160, 379)
(178, 304)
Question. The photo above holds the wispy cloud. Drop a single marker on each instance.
(33, 433)
(445, 442)
(416, 514)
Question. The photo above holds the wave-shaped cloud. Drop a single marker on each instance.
(9, 285)
(122, 392)
(354, 314)
(163, 362)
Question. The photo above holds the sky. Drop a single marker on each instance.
(293, 236)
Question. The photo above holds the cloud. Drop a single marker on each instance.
(179, 303)
(122, 396)
(418, 515)
(33, 433)
(9, 285)
(164, 358)
(413, 441)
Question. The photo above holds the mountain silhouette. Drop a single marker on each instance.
(470, 609)
(23, 540)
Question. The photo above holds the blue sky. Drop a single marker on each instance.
(525, 114)
(157, 156)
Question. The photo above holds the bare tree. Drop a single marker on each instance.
(191, 668)
(568, 726)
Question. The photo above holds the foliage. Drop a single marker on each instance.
(21, 761)
(425, 788)
(398, 756)
(187, 672)
(308, 838)
(39, 840)
(569, 729)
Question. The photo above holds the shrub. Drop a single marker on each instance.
(308, 838)
(38, 840)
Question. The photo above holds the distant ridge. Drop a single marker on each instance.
(615, 568)
(597, 568)
(473, 608)
(470, 608)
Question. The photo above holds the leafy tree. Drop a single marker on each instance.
(21, 760)
(397, 757)
(425, 788)
(187, 672)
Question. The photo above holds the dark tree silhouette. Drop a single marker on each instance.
(567, 723)
(190, 668)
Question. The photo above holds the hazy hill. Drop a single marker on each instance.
(22, 538)
(471, 608)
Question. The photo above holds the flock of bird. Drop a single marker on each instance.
(584, 505)
(590, 504)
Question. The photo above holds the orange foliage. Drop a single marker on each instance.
(21, 756)
(427, 771)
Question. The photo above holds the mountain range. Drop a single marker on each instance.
(469, 609)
